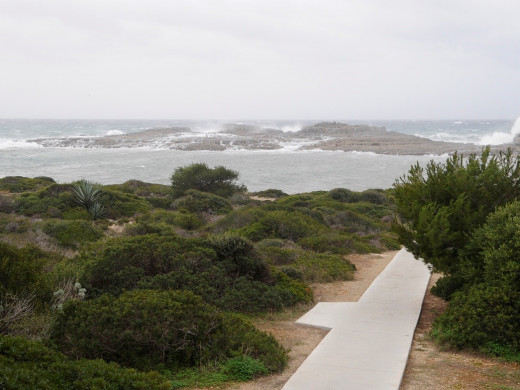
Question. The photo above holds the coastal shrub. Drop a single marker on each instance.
(219, 180)
(481, 315)
(278, 255)
(331, 242)
(183, 219)
(149, 328)
(322, 267)
(244, 369)
(344, 195)
(353, 222)
(197, 201)
(141, 188)
(238, 219)
(120, 204)
(10, 223)
(106, 262)
(441, 205)
(18, 184)
(6, 204)
(373, 196)
(282, 224)
(270, 193)
(241, 255)
(29, 365)
(487, 310)
(23, 272)
(51, 201)
(143, 228)
(72, 234)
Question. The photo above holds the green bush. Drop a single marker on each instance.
(197, 201)
(270, 193)
(149, 328)
(373, 196)
(481, 315)
(244, 369)
(441, 206)
(182, 219)
(338, 243)
(282, 224)
(72, 234)
(120, 204)
(487, 310)
(219, 180)
(6, 204)
(51, 201)
(321, 267)
(22, 271)
(344, 195)
(29, 365)
(106, 262)
(24, 184)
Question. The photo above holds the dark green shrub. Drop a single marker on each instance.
(279, 256)
(154, 254)
(282, 224)
(373, 196)
(77, 213)
(51, 201)
(120, 204)
(480, 315)
(22, 271)
(141, 188)
(487, 310)
(29, 365)
(182, 219)
(441, 205)
(197, 201)
(6, 204)
(446, 286)
(23, 184)
(321, 267)
(270, 193)
(150, 328)
(242, 255)
(344, 195)
(72, 234)
(219, 180)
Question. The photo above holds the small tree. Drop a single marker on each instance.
(439, 207)
(219, 180)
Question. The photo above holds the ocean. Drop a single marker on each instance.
(287, 168)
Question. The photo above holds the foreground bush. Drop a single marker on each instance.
(29, 365)
(146, 328)
(488, 312)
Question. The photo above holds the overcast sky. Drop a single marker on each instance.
(260, 59)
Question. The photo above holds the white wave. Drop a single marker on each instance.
(17, 144)
(499, 138)
(115, 132)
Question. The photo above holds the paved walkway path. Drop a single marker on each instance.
(369, 342)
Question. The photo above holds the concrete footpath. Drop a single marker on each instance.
(369, 340)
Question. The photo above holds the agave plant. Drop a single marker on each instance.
(88, 196)
(97, 210)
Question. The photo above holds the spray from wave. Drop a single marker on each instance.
(499, 138)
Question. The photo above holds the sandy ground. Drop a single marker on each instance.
(302, 340)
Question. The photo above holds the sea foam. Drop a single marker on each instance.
(499, 138)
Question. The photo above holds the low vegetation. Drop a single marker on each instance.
(152, 288)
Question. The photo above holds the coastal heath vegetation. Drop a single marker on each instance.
(463, 217)
(176, 271)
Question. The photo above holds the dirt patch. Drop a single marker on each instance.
(431, 368)
(302, 340)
